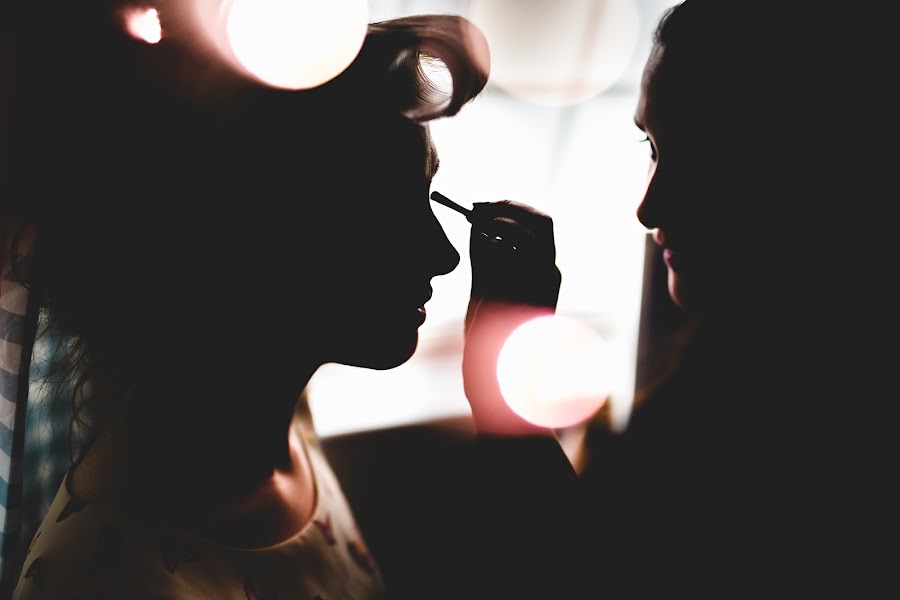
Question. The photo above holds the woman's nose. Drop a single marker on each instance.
(442, 257)
(644, 214)
(447, 258)
(648, 211)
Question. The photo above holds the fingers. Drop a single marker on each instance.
(520, 228)
(528, 216)
(513, 254)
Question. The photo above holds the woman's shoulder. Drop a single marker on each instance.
(95, 550)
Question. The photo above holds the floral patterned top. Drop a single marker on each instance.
(99, 551)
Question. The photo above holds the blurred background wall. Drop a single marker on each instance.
(553, 129)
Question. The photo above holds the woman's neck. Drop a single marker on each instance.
(274, 510)
(206, 456)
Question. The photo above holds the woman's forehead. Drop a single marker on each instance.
(432, 160)
(677, 91)
(646, 104)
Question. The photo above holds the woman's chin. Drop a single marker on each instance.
(382, 355)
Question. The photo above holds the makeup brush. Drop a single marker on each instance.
(442, 199)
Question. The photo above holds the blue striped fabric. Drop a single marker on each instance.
(49, 447)
(18, 321)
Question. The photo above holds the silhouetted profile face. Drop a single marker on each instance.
(688, 192)
(377, 247)
(220, 224)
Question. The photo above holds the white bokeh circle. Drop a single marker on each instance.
(556, 53)
(553, 371)
(289, 44)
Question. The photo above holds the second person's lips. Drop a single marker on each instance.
(659, 237)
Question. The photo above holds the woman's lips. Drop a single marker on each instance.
(421, 308)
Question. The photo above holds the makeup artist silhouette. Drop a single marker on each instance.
(739, 472)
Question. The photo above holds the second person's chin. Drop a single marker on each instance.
(685, 295)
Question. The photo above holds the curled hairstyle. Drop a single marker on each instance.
(118, 153)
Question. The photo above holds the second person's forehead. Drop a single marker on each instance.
(669, 98)
(648, 89)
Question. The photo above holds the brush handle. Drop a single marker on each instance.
(442, 199)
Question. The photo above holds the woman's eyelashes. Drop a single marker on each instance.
(652, 147)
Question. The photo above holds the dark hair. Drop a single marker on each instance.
(708, 48)
(683, 21)
(120, 152)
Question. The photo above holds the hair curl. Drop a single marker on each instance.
(86, 111)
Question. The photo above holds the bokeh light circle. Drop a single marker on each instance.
(557, 53)
(553, 371)
(289, 44)
(144, 24)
